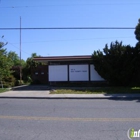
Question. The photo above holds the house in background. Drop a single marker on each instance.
(66, 70)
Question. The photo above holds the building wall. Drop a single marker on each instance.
(66, 72)
(40, 74)
(76, 72)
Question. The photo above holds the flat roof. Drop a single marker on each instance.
(63, 58)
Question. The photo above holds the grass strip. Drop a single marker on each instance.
(3, 90)
(95, 90)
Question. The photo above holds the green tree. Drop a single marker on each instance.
(119, 64)
(5, 64)
(16, 64)
(137, 31)
(30, 64)
(115, 63)
(15, 60)
(136, 62)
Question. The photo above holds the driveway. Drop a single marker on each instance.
(27, 91)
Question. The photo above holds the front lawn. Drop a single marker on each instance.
(3, 90)
(95, 90)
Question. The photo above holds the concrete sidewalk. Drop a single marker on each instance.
(44, 94)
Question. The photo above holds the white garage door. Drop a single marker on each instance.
(78, 73)
(58, 73)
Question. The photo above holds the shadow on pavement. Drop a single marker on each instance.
(124, 97)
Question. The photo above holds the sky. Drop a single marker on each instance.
(66, 13)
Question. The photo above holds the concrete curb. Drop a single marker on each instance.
(74, 96)
(48, 98)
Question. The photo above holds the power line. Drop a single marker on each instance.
(71, 28)
(15, 46)
(91, 4)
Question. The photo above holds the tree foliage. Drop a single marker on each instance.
(15, 60)
(137, 31)
(5, 64)
(10, 66)
(30, 64)
(118, 64)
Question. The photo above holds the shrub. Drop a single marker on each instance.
(19, 82)
(9, 81)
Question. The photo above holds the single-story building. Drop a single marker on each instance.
(66, 69)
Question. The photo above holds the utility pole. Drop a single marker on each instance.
(20, 56)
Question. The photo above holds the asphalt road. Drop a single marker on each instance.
(49, 119)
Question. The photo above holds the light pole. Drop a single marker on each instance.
(20, 55)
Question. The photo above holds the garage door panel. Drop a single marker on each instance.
(58, 73)
(78, 73)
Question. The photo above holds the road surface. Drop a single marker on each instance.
(64, 119)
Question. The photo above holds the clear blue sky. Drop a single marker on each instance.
(66, 13)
